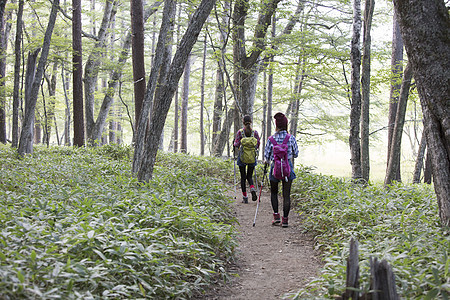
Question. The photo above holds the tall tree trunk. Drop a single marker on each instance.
(395, 151)
(3, 44)
(218, 107)
(202, 100)
(91, 72)
(37, 136)
(141, 136)
(425, 33)
(16, 92)
(355, 111)
(113, 111)
(77, 76)
(299, 78)
(108, 99)
(270, 84)
(176, 120)
(162, 103)
(396, 70)
(26, 136)
(225, 132)
(67, 117)
(184, 104)
(50, 109)
(427, 173)
(419, 160)
(247, 66)
(365, 86)
(264, 114)
(137, 29)
(119, 128)
(220, 81)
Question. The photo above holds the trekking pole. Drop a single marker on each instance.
(234, 164)
(260, 190)
(256, 178)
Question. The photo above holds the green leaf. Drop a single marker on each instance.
(20, 277)
(33, 255)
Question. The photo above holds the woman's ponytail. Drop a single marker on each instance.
(247, 125)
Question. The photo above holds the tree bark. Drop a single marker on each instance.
(3, 44)
(425, 27)
(247, 66)
(355, 111)
(299, 78)
(50, 108)
(67, 116)
(137, 29)
(427, 173)
(419, 160)
(184, 104)
(91, 71)
(219, 98)
(225, 133)
(108, 99)
(365, 86)
(395, 151)
(202, 100)
(16, 92)
(162, 103)
(176, 120)
(26, 136)
(77, 76)
(270, 85)
(396, 71)
(139, 159)
(264, 117)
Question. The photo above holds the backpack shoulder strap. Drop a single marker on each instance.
(286, 139)
(273, 141)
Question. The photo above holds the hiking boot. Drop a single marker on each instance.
(245, 200)
(253, 191)
(284, 222)
(276, 219)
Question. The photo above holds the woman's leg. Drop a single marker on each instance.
(286, 202)
(250, 182)
(250, 170)
(274, 195)
(274, 201)
(286, 197)
(243, 179)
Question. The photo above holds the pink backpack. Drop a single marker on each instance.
(281, 168)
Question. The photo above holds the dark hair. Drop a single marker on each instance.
(247, 120)
(281, 121)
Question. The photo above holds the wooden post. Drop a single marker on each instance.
(382, 282)
(352, 282)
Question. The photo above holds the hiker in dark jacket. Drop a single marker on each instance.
(292, 152)
(247, 159)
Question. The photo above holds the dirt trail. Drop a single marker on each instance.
(272, 260)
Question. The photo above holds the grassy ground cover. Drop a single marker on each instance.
(74, 224)
(399, 224)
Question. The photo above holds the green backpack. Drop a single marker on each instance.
(248, 149)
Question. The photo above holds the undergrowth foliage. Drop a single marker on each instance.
(399, 224)
(75, 224)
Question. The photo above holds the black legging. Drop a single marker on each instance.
(286, 196)
(246, 176)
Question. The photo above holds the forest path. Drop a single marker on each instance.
(271, 261)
